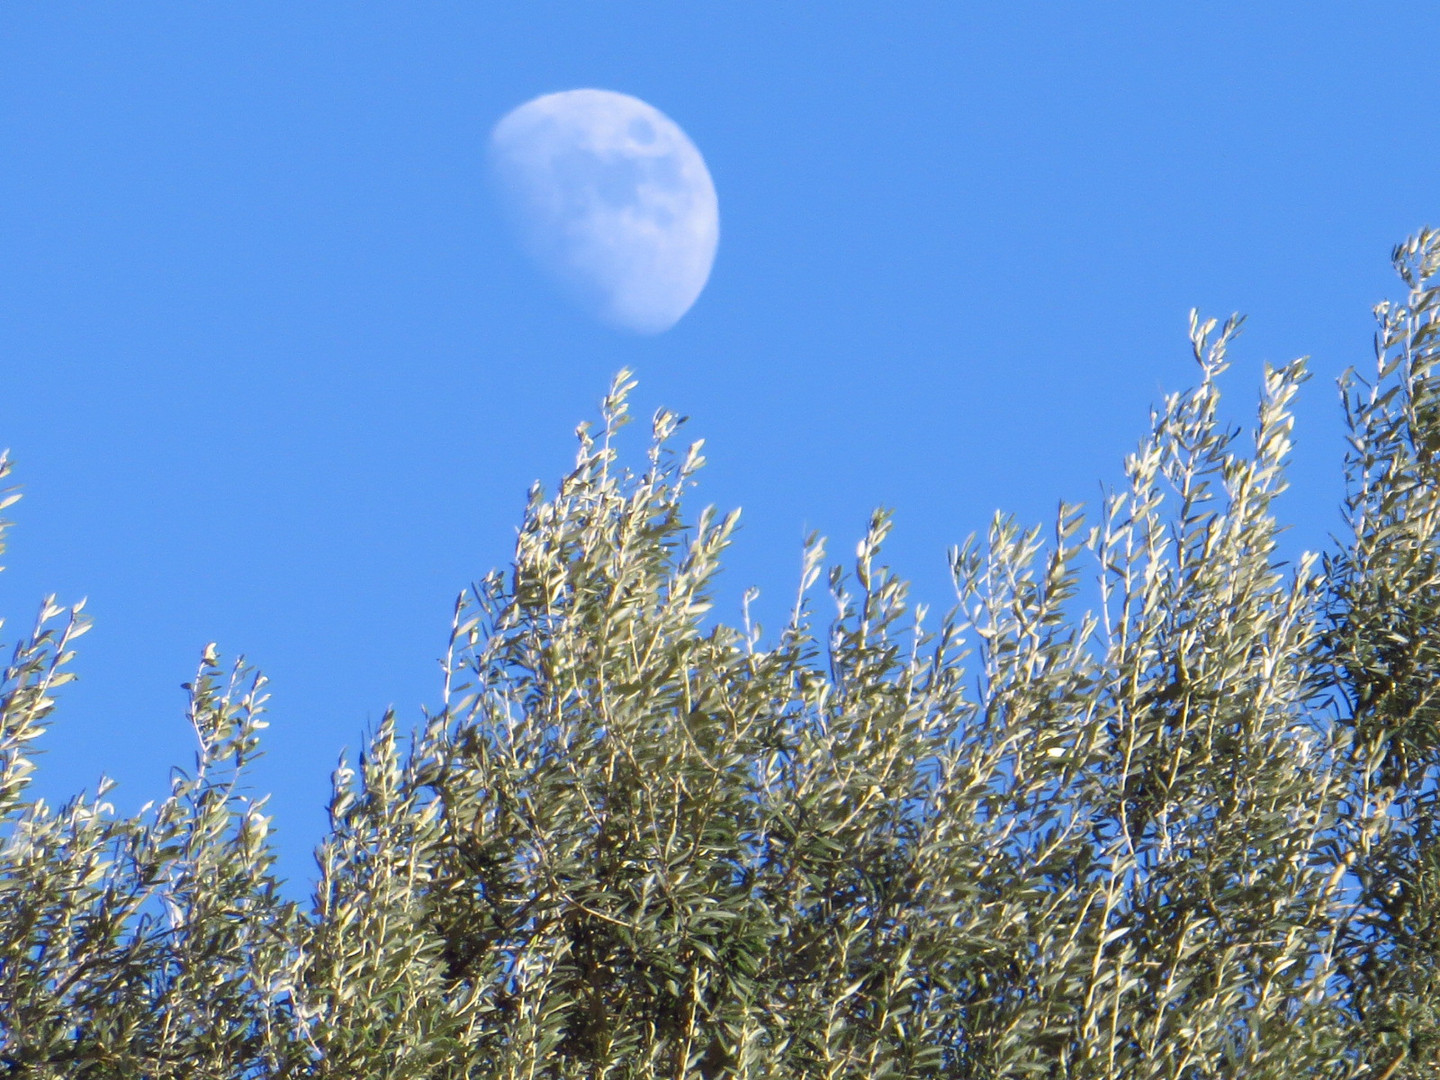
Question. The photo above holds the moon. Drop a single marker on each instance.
(612, 201)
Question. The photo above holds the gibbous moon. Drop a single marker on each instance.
(610, 199)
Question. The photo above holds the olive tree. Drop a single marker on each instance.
(1145, 802)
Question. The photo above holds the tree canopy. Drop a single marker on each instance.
(1147, 802)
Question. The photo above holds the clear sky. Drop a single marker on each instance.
(274, 375)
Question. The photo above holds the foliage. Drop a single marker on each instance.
(1190, 834)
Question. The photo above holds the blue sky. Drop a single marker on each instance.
(274, 375)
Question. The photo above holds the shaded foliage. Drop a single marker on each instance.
(1187, 833)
